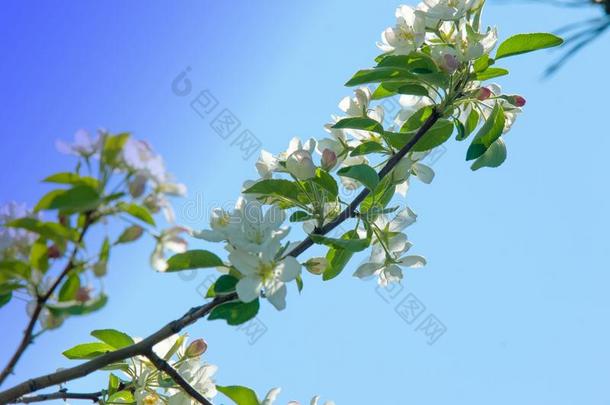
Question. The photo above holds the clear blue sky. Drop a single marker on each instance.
(516, 255)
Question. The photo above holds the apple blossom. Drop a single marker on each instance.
(407, 35)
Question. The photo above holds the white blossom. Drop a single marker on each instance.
(84, 145)
(407, 35)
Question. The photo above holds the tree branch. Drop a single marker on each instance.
(40, 303)
(170, 371)
(61, 394)
(144, 347)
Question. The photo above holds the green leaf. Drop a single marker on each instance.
(73, 179)
(193, 259)
(300, 216)
(238, 394)
(338, 258)
(76, 199)
(351, 245)
(365, 174)
(415, 62)
(469, 126)
(380, 74)
(490, 73)
(69, 288)
(130, 234)
(5, 299)
(489, 132)
(13, 268)
(105, 250)
(137, 211)
(417, 119)
(366, 148)
(225, 284)
(326, 182)
(493, 157)
(360, 123)
(380, 198)
(482, 63)
(121, 397)
(48, 230)
(235, 312)
(87, 351)
(275, 187)
(435, 136)
(38, 256)
(113, 338)
(78, 308)
(388, 89)
(113, 384)
(522, 43)
(113, 145)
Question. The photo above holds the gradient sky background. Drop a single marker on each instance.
(516, 254)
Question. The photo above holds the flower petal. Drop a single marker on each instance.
(249, 288)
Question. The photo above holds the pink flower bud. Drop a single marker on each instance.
(519, 101)
(484, 93)
(53, 252)
(196, 348)
(329, 159)
(451, 63)
(82, 295)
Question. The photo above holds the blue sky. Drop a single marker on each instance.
(517, 255)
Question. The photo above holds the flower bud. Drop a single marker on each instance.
(519, 101)
(450, 63)
(483, 94)
(82, 295)
(100, 268)
(316, 265)
(196, 348)
(53, 252)
(137, 186)
(300, 165)
(329, 159)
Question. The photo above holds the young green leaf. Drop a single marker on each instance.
(78, 308)
(130, 234)
(326, 182)
(87, 351)
(380, 74)
(338, 258)
(72, 178)
(235, 312)
(113, 145)
(435, 136)
(366, 148)
(48, 230)
(69, 288)
(360, 123)
(275, 187)
(137, 211)
(351, 245)
(113, 338)
(300, 216)
(489, 132)
(523, 43)
(493, 157)
(238, 394)
(365, 174)
(225, 284)
(490, 73)
(76, 199)
(193, 259)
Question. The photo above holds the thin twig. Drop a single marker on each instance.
(40, 303)
(164, 366)
(62, 394)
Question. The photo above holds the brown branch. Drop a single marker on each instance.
(144, 347)
(40, 303)
(62, 394)
(164, 366)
